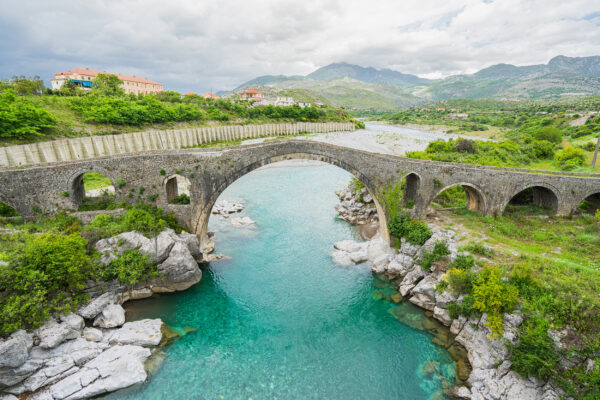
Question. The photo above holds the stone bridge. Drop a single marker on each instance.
(151, 176)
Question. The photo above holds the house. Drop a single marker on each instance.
(210, 96)
(303, 104)
(83, 78)
(284, 101)
(252, 95)
(441, 109)
(190, 94)
(458, 115)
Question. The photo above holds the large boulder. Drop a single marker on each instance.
(52, 333)
(178, 272)
(146, 332)
(116, 368)
(98, 304)
(112, 316)
(15, 350)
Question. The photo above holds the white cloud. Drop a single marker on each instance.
(193, 45)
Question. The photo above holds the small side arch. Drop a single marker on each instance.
(537, 194)
(590, 202)
(7, 208)
(177, 189)
(75, 185)
(474, 198)
(412, 183)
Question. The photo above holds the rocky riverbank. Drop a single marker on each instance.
(93, 350)
(358, 209)
(489, 374)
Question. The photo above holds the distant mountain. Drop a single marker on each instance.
(356, 87)
(369, 74)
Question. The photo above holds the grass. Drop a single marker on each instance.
(95, 180)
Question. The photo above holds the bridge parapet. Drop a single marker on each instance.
(211, 171)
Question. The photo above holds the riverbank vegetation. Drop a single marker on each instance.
(549, 268)
(557, 135)
(48, 262)
(28, 115)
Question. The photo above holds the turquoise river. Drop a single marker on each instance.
(277, 319)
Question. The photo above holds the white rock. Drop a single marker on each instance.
(484, 353)
(95, 307)
(241, 221)
(359, 256)
(376, 248)
(349, 246)
(73, 321)
(178, 272)
(146, 332)
(112, 316)
(341, 258)
(52, 334)
(92, 334)
(15, 349)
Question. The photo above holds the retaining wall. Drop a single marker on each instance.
(107, 145)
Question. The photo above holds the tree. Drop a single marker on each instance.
(27, 85)
(108, 85)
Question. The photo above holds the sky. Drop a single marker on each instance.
(199, 45)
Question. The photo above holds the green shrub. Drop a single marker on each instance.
(7, 211)
(104, 203)
(463, 262)
(20, 118)
(120, 183)
(414, 231)
(429, 257)
(181, 199)
(45, 276)
(460, 281)
(479, 249)
(494, 297)
(549, 133)
(131, 267)
(147, 219)
(598, 215)
(464, 308)
(534, 355)
(570, 158)
(162, 172)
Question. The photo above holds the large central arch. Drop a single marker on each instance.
(201, 212)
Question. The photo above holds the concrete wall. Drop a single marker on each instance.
(107, 145)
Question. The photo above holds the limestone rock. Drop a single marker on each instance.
(73, 321)
(484, 353)
(8, 397)
(349, 246)
(424, 292)
(442, 315)
(51, 334)
(112, 316)
(410, 280)
(15, 349)
(92, 334)
(341, 258)
(178, 272)
(146, 332)
(12, 376)
(359, 256)
(192, 243)
(95, 307)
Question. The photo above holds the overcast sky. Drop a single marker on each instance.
(198, 45)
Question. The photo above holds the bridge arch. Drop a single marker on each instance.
(475, 199)
(74, 184)
(175, 186)
(201, 211)
(412, 184)
(542, 195)
(4, 199)
(593, 200)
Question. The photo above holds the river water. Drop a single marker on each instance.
(280, 320)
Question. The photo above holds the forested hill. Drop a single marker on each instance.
(362, 88)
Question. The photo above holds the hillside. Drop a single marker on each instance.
(366, 88)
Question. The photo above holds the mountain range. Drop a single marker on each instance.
(361, 88)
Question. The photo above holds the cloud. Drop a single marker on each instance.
(197, 46)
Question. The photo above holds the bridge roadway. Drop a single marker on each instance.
(153, 175)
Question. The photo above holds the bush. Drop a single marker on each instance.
(181, 199)
(549, 133)
(543, 149)
(415, 232)
(460, 281)
(147, 219)
(464, 308)
(7, 211)
(495, 297)
(429, 257)
(598, 215)
(20, 118)
(45, 276)
(570, 158)
(131, 267)
(534, 355)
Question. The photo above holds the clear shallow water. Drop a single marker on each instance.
(280, 320)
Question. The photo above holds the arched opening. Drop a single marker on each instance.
(178, 189)
(201, 212)
(411, 184)
(93, 191)
(534, 199)
(7, 211)
(590, 204)
(460, 196)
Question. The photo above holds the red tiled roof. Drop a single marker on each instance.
(190, 94)
(93, 73)
(252, 91)
(210, 95)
